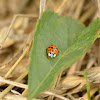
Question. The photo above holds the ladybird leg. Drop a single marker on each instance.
(49, 54)
(11, 26)
(54, 55)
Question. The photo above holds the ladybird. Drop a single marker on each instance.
(52, 51)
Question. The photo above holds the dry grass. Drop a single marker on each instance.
(14, 55)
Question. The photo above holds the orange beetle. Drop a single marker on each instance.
(52, 51)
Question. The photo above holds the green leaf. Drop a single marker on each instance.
(66, 34)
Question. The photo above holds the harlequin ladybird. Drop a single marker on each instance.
(52, 51)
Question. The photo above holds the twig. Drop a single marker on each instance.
(72, 98)
(79, 9)
(72, 69)
(56, 95)
(87, 14)
(55, 84)
(14, 66)
(98, 1)
(62, 4)
(11, 86)
(13, 83)
(24, 93)
(26, 49)
(14, 58)
(42, 6)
